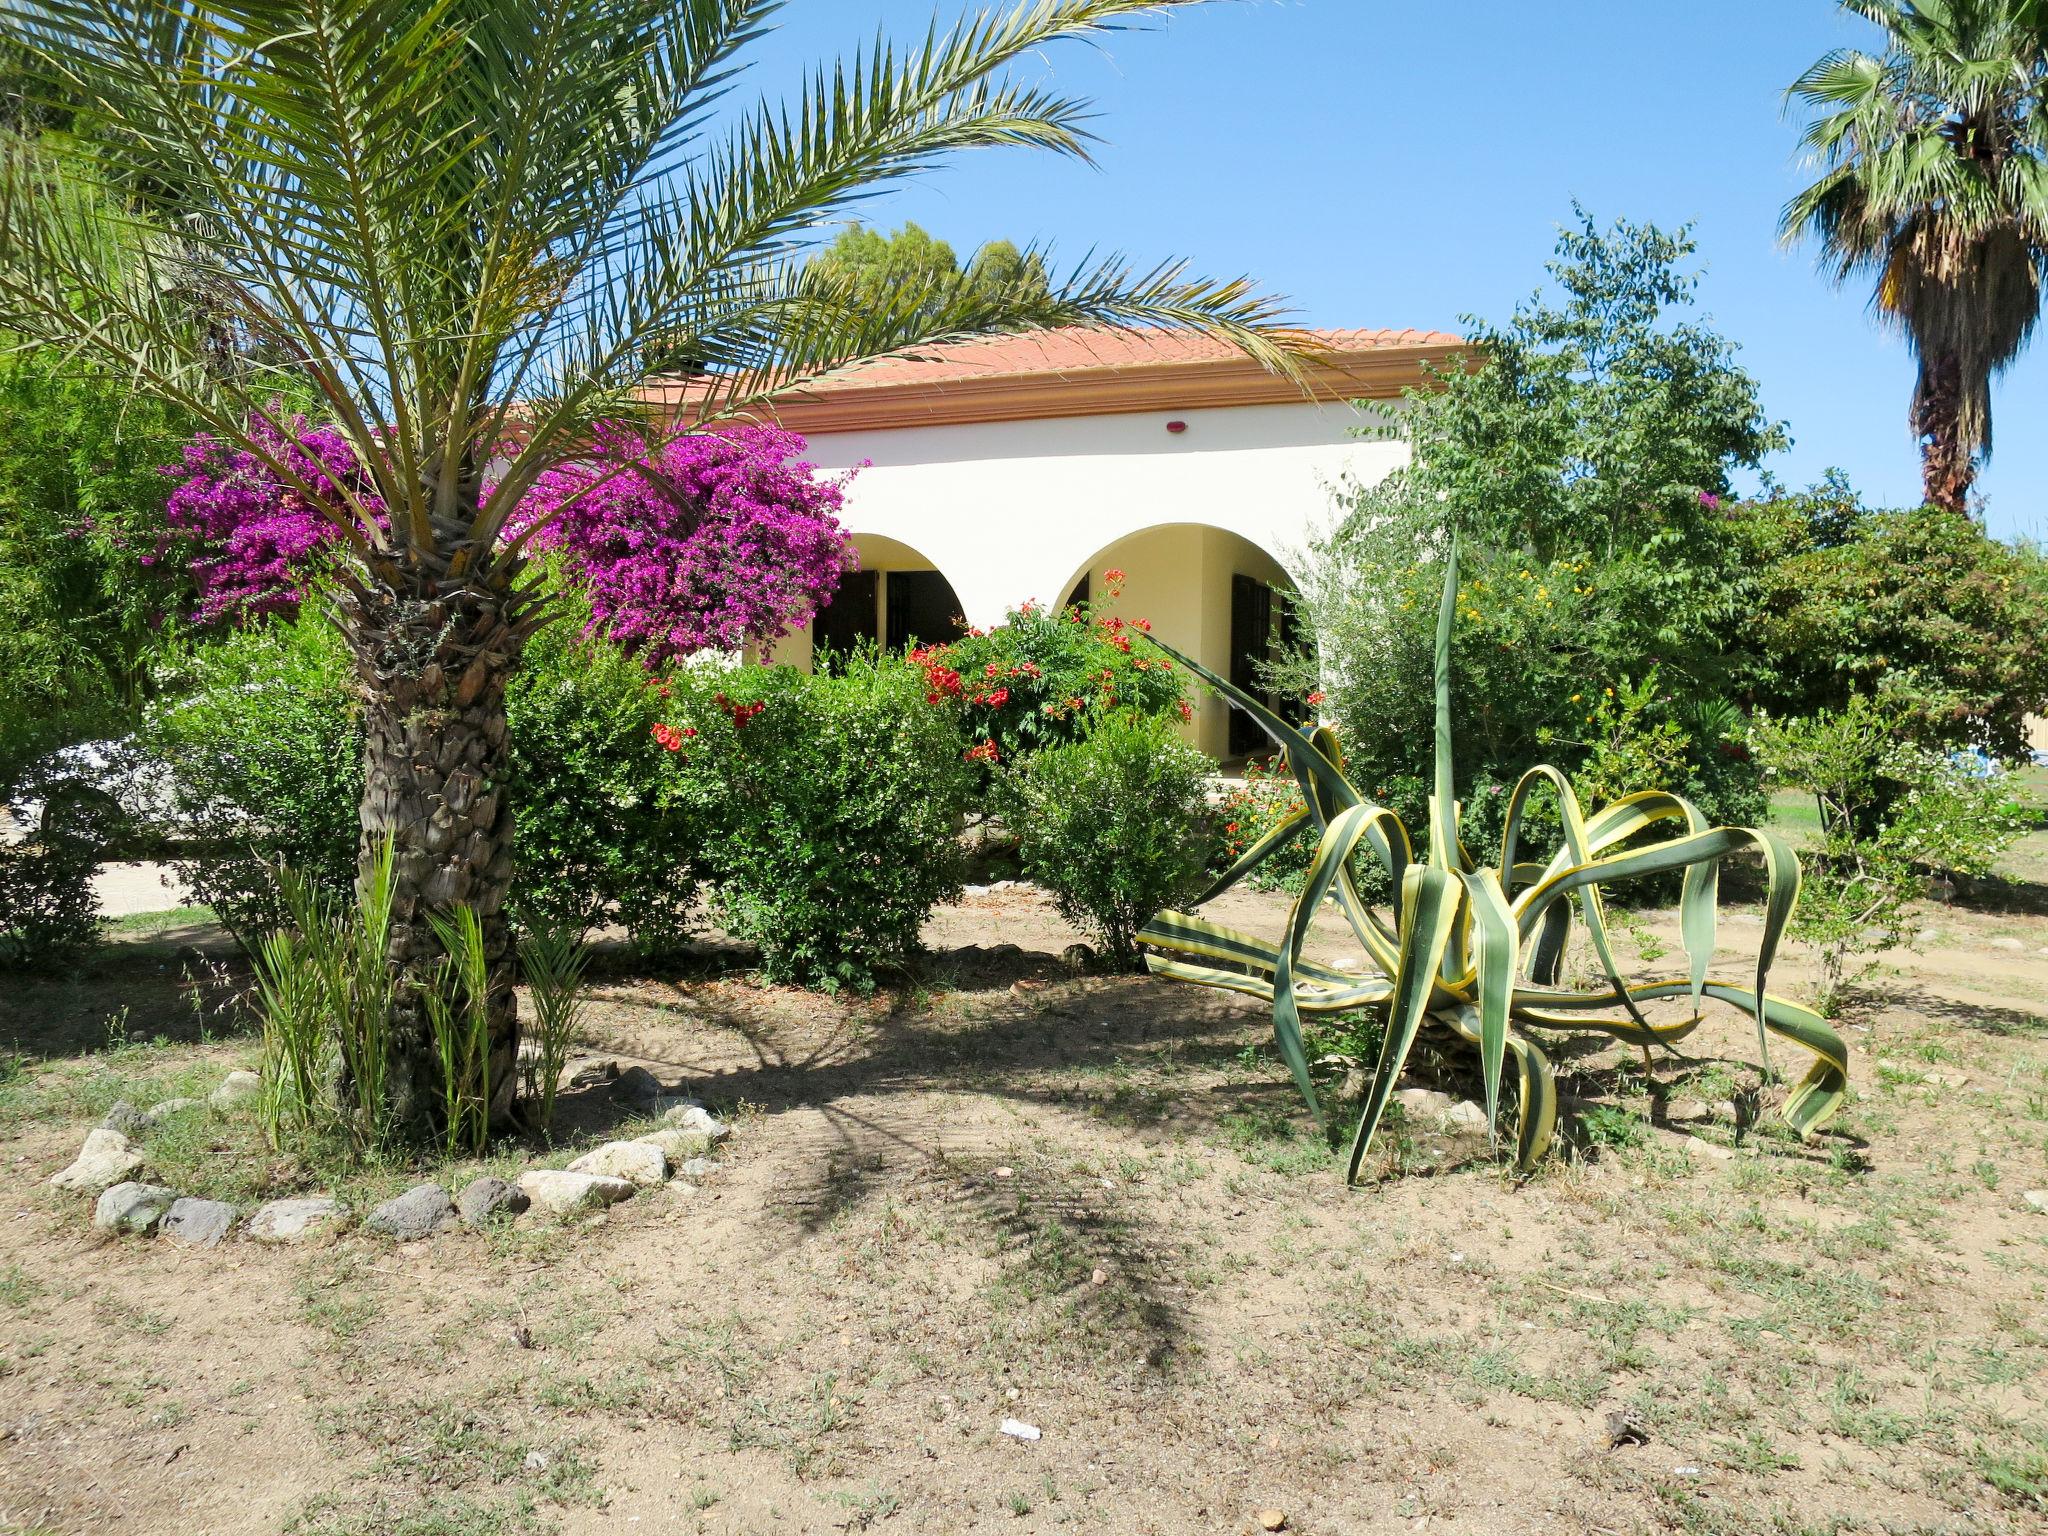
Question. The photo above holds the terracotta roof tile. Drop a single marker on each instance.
(1078, 349)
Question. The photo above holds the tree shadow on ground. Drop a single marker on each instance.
(1985, 1018)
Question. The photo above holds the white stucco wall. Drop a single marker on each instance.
(1010, 511)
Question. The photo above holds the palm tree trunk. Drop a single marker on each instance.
(1948, 461)
(436, 782)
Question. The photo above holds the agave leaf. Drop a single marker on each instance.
(1537, 1086)
(1432, 902)
(1495, 958)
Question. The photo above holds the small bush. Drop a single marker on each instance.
(1267, 797)
(1891, 813)
(831, 807)
(1116, 825)
(1048, 676)
(263, 762)
(47, 911)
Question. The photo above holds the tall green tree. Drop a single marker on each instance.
(1933, 162)
(912, 257)
(465, 221)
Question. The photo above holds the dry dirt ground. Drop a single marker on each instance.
(1093, 1205)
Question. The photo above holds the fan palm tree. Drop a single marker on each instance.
(469, 223)
(1934, 179)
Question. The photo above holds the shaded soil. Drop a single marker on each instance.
(1092, 1204)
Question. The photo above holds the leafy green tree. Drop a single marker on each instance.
(1920, 609)
(1585, 455)
(85, 619)
(912, 260)
(465, 221)
(1933, 161)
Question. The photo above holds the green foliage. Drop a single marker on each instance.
(81, 508)
(1478, 951)
(1922, 609)
(48, 914)
(1266, 800)
(882, 269)
(1115, 825)
(263, 762)
(596, 842)
(553, 961)
(262, 765)
(1585, 461)
(830, 807)
(324, 994)
(459, 1013)
(1891, 813)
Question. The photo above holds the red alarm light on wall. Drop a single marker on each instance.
(1176, 427)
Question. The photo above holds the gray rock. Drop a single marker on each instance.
(2037, 1198)
(1078, 958)
(287, 1221)
(157, 1114)
(697, 1168)
(677, 1146)
(132, 1207)
(973, 890)
(125, 1118)
(695, 1117)
(106, 1159)
(483, 1198)
(560, 1192)
(420, 1212)
(235, 1088)
(2004, 941)
(1467, 1116)
(202, 1223)
(1424, 1103)
(636, 1085)
(638, 1162)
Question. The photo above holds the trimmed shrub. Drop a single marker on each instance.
(262, 767)
(831, 806)
(597, 841)
(1116, 825)
(263, 763)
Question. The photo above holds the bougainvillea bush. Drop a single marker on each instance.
(253, 540)
(717, 541)
(713, 542)
(829, 808)
(1047, 676)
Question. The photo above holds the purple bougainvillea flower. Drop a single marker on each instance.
(716, 541)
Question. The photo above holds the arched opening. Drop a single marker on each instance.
(896, 599)
(1210, 594)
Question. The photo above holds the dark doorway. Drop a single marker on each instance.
(1078, 598)
(922, 609)
(850, 619)
(1251, 641)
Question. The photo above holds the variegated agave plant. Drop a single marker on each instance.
(1479, 950)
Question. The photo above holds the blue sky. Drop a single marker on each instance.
(1399, 164)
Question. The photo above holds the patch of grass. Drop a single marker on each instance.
(1276, 1139)
(149, 925)
(86, 1087)
(18, 1288)
(434, 1515)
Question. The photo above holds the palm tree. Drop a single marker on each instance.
(1934, 178)
(464, 223)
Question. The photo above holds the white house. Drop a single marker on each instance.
(1023, 468)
